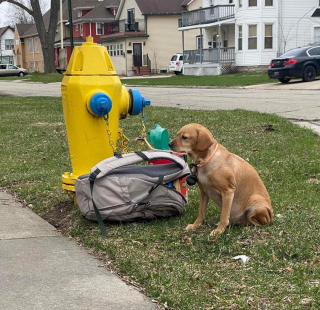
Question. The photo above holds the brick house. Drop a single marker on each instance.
(88, 17)
(145, 35)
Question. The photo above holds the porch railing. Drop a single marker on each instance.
(123, 26)
(207, 15)
(210, 55)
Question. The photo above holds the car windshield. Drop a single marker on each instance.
(293, 53)
(174, 58)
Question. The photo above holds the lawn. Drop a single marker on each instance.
(186, 270)
(36, 77)
(230, 80)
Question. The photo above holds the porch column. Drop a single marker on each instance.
(183, 42)
(201, 45)
(219, 42)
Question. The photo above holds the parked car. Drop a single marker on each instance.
(11, 70)
(176, 63)
(300, 62)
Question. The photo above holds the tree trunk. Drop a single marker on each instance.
(47, 37)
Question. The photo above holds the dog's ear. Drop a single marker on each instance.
(204, 140)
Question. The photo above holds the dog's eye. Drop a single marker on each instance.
(184, 137)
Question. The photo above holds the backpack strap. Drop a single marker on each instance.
(109, 164)
(96, 210)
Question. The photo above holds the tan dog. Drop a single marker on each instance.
(231, 182)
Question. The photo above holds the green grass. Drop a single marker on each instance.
(228, 80)
(36, 77)
(187, 270)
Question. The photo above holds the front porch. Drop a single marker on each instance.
(215, 53)
(211, 61)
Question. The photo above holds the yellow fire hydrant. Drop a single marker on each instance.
(94, 100)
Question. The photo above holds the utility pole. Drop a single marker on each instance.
(70, 25)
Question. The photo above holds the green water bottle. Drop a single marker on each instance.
(159, 138)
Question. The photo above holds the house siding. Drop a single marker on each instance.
(165, 39)
(34, 61)
(7, 35)
(130, 4)
(291, 22)
(19, 50)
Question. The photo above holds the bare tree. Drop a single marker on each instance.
(46, 35)
(18, 15)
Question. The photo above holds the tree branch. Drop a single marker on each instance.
(20, 5)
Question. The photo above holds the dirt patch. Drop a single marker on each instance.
(58, 216)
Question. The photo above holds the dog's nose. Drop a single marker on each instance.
(170, 144)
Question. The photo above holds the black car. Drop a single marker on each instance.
(301, 62)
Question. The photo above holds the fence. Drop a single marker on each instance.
(207, 15)
(210, 55)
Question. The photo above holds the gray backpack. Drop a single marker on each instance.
(117, 190)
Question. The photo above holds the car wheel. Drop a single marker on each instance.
(309, 73)
(177, 72)
(284, 80)
(21, 74)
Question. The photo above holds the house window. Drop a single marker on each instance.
(115, 49)
(179, 22)
(268, 38)
(130, 16)
(252, 2)
(230, 1)
(9, 44)
(316, 34)
(214, 41)
(99, 27)
(79, 13)
(199, 42)
(31, 46)
(268, 3)
(225, 38)
(240, 38)
(252, 39)
(36, 45)
(81, 29)
(77, 27)
(240, 3)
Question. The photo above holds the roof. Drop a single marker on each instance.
(186, 2)
(99, 12)
(163, 7)
(4, 29)
(22, 28)
(316, 13)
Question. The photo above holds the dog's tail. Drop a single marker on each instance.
(259, 214)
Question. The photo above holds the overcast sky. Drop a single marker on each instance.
(4, 21)
(5, 11)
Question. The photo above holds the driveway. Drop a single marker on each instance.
(296, 101)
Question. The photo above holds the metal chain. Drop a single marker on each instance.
(124, 142)
(109, 136)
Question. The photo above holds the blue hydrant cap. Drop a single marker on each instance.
(138, 102)
(100, 103)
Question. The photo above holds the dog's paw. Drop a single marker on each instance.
(217, 231)
(191, 227)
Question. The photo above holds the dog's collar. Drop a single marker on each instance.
(214, 151)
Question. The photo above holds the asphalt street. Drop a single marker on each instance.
(296, 101)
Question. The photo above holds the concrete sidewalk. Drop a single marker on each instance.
(41, 269)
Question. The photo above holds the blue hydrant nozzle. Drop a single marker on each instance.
(137, 102)
(100, 103)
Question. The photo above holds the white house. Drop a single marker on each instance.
(247, 33)
(7, 45)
